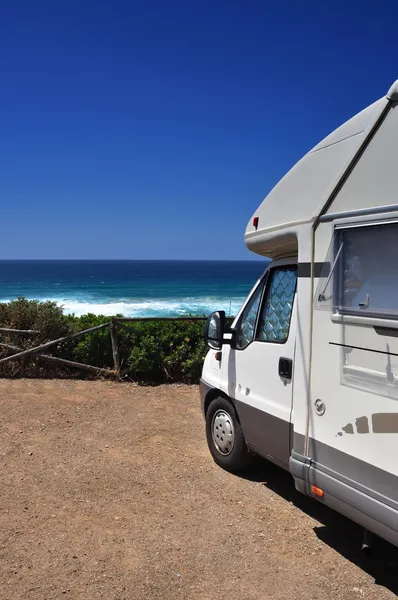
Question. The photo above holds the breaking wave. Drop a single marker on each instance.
(151, 308)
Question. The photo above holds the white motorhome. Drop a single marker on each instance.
(307, 375)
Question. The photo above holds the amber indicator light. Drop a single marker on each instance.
(317, 491)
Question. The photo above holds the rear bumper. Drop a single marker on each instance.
(204, 389)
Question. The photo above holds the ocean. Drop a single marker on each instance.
(133, 288)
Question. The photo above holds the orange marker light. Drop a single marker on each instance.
(317, 491)
(218, 355)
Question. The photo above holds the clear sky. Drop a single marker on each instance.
(154, 128)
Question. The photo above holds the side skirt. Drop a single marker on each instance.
(371, 513)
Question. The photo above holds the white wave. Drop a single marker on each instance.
(150, 308)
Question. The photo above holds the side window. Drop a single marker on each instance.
(367, 270)
(276, 312)
(247, 323)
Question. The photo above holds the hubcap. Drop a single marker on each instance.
(223, 432)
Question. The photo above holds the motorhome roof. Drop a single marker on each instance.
(301, 195)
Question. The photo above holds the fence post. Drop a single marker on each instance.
(115, 348)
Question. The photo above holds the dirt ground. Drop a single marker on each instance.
(108, 491)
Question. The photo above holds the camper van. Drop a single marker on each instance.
(307, 374)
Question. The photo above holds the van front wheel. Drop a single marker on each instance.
(225, 437)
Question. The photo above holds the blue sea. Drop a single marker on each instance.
(144, 288)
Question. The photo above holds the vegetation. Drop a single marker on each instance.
(150, 351)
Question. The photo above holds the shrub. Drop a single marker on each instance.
(165, 350)
(150, 351)
(45, 317)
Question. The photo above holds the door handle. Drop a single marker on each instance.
(285, 368)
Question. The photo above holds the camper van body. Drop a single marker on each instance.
(309, 367)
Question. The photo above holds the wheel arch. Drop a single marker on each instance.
(215, 393)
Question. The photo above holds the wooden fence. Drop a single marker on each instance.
(113, 328)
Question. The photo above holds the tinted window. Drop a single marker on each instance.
(247, 323)
(367, 270)
(274, 321)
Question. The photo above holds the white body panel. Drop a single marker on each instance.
(373, 182)
(212, 369)
(348, 424)
(359, 387)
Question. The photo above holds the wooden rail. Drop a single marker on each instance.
(62, 361)
(21, 331)
(112, 324)
(138, 319)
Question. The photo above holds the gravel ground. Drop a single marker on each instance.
(108, 491)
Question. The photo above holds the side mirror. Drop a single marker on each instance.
(214, 330)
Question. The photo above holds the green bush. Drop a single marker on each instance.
(93, 348)
(150, 351)
(45, 317)
(165, 350)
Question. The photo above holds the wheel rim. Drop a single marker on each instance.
(222, 431)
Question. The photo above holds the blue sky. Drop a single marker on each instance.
(153, 129)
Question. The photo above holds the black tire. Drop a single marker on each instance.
(236, 456)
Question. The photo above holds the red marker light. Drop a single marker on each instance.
(255, 222)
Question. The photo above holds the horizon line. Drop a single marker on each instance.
(131, 259)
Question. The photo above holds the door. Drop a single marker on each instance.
(260, 363)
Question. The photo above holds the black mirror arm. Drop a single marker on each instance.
(229, 341)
